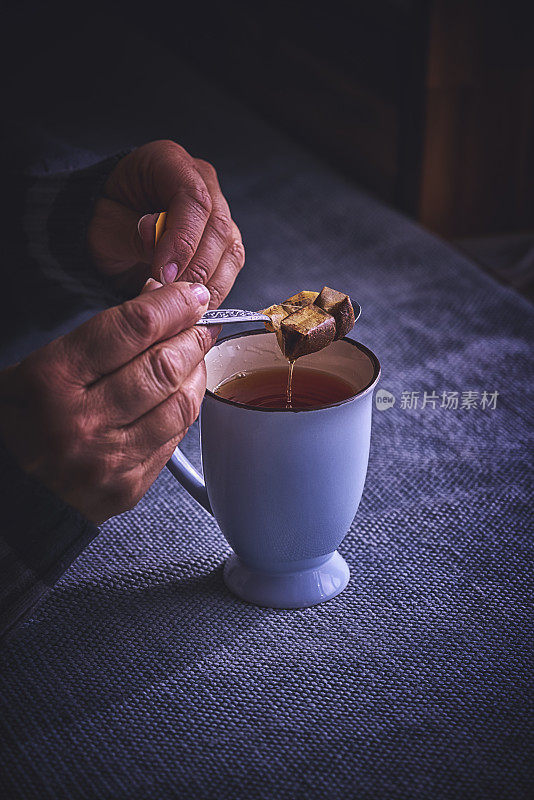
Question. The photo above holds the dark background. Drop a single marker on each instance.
(427, 105)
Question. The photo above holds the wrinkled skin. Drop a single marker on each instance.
(95, 414)
(97, 424)
(201, 240)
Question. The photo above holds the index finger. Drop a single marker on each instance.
(188, 202)
(112, 338)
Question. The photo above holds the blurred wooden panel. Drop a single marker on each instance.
(477, 174)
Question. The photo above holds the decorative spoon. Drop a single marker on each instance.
(221, 315)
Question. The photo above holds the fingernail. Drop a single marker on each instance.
(142, 222)
(146, 229)
(150, 285)
(201, 292)
(169, 272)
(214, 331)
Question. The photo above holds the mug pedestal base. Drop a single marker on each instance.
(305, 587)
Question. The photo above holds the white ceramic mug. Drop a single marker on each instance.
(284, 485)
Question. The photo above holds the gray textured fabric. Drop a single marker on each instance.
(141, 677)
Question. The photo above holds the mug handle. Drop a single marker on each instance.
(189, 478)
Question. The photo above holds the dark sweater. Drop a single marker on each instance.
(40, 535)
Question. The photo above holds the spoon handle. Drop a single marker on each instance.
(221, 315)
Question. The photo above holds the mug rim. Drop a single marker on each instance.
(368, 388)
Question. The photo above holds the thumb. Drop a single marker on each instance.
(118, 238)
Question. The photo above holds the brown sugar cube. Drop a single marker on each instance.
(298, 301)
(301, 299)
(340, 307)
(306, 331)
(276, 314)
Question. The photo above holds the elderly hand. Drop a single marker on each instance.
(95, 414)
(201, 243)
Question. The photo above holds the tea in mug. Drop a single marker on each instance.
(268, 388)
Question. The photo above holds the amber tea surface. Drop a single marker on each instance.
(268, 388)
